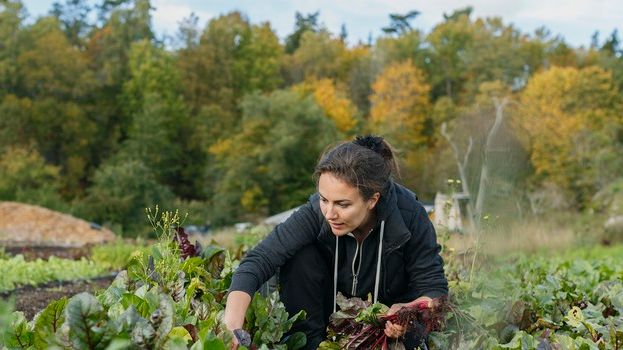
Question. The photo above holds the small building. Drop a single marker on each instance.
(449, 209)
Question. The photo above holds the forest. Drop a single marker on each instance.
(102, 118)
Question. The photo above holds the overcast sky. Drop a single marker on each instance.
(575, 20)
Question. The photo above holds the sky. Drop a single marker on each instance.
(575, 20)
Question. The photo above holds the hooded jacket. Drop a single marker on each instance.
(410, 265)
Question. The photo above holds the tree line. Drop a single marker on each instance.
(101, 118)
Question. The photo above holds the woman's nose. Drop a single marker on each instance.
(330, 213)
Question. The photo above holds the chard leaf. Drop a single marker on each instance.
(180, 332)
(143, 334)
(213, 343)
(165, 324)
(141, 305)
(48, 322)
(121, 281)
(119, 344)
(125, 321)
(296, 341)
(111, 295)
(84, 314)
(19, 335)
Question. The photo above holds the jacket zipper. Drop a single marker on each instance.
(358, 251)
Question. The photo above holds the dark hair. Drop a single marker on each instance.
(366, 163)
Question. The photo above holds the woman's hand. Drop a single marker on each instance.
(235, 309)
(395, 330)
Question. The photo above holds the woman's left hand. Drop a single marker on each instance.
(395, 330)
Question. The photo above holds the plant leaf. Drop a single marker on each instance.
(48, 322)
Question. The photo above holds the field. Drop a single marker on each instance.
(169, 294)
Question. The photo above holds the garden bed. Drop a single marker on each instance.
(32, 299)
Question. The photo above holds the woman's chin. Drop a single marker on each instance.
(339, 230)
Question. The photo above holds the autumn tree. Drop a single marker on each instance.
(320, 55)
(573, 119)
(335, 105)
(266, 166)
(400, 112)
(400, 105)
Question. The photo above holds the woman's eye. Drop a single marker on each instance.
(343, 205)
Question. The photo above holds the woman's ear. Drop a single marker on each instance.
(373, 200)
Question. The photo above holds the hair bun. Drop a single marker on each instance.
(376, 144)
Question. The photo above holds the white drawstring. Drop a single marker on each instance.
(378, 263)
(378, 268)
(335, 275)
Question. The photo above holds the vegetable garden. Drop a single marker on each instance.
(171, 295)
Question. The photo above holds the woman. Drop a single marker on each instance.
(361, 234)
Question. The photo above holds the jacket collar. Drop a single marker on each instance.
(396, 231)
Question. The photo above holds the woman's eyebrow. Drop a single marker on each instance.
(339, 201)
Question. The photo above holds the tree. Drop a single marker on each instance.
(495, 55)
(449, 41)
(121, 191)
(573, 120)
(73, 16)
(612, 45)
(362, 73)
(15, 122)
(188, 32)
(11, 18)
(399, 24)
(26, 177)
(161, 134)
(334, 104)
(400, 105)
(55, 76)
(319, 55)
(123, 22)
(232, 58)
(302, 24)
(266, 167)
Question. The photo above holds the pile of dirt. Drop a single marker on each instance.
(24, 224)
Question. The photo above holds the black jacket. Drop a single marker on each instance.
(410, 266)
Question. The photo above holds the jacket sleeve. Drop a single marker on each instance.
(261, 263)
(424, 264)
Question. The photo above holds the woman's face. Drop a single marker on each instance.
(342, 204)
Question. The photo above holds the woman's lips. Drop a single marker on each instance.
(336, 226)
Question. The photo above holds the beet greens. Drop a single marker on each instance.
(357, 326)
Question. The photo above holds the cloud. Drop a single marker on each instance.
(168, 14)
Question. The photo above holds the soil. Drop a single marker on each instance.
(45, 252)
(31, 300)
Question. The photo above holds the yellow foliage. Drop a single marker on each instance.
(222, 147)
(568, 113)
(400, 105)
(253, 199)
(332, 102)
